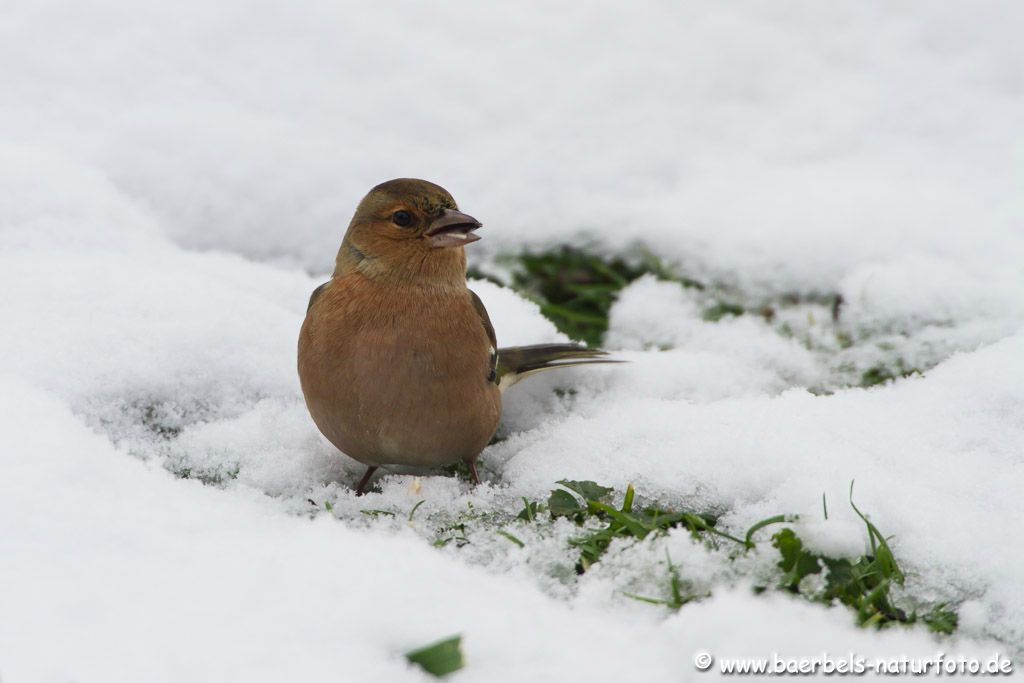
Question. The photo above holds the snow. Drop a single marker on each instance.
(124, 573)
(175, 180)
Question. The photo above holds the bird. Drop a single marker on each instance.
(397, 358)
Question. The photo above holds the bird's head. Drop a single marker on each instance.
(407, 229)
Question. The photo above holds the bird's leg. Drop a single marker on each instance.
(361, 487)
(471, 464)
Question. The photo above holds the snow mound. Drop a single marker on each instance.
(175, 180)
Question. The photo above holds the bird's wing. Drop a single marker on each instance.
(316, 293)
(489, 328)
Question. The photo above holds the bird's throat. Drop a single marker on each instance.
(419, 267)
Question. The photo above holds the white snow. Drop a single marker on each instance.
(175, 180)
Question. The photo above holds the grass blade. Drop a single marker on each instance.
(777, 519)
(505, 534)
(415, 508)
(879, 546)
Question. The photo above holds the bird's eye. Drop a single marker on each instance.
(401, 218)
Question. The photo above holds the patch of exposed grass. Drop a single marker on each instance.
(580, 500)
(575, 288)
(722, 309)
(864, 584)
(680, 592)
(460, 469)
(883, 373)
(209, 476)
(154, 418)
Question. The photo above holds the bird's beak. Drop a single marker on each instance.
(452, 229)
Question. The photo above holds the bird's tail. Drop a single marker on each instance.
(517, 362)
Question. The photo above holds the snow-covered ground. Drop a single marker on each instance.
(175, 179)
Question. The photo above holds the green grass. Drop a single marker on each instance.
(575, 288)
(210, 476)
(589, 518)
(154, 418)
(882, 373)
(679, 592)
(721, 310)
(863, 584)
(580, 500)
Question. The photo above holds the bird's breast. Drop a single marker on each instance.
(398, 374)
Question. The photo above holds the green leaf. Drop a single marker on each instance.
(563, 504)
(796, 562)
(440, 658)
(588, 489)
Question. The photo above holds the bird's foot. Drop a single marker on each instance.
(471, 464)
(361, 487)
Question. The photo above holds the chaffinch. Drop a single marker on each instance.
(398, 359)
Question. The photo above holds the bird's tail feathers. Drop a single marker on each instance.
(518, 362)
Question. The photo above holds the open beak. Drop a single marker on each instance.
(452, 229)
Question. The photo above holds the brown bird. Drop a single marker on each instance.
(398, 359)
